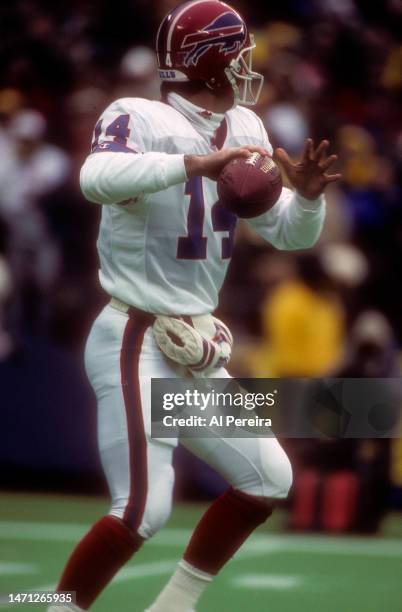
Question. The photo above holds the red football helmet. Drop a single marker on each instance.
(207, 40)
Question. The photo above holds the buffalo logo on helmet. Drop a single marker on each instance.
(227, 32)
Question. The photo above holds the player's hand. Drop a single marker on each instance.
(211, 165)
(310, 175)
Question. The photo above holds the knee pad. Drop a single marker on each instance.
(155, 517)
(159, 501)
(158, 504)
(271, 476)
(153, 520)
(278, 476)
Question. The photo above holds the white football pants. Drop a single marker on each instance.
(121, 358)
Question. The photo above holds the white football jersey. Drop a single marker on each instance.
(165, 242)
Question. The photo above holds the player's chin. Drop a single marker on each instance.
(226, 97)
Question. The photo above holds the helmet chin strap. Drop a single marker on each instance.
(217, 88)
(235, 87)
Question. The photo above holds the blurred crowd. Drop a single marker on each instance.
(333, 69)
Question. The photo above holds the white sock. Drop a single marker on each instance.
(65, 608)
(182, 591)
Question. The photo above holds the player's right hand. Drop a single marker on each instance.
(211, 165)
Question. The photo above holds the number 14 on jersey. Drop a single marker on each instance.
(195, 245)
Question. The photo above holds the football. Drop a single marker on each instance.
(249, 186)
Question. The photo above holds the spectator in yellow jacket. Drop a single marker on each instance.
(303, 325)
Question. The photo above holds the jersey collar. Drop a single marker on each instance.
(205, 122)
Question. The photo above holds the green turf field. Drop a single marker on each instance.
(275, 571)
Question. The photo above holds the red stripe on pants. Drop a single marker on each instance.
(129, 367)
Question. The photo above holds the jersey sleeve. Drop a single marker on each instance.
(293, 222)
(121, 165)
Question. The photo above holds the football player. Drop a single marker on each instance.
(165, 244)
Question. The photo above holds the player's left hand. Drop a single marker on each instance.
(310, 175)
